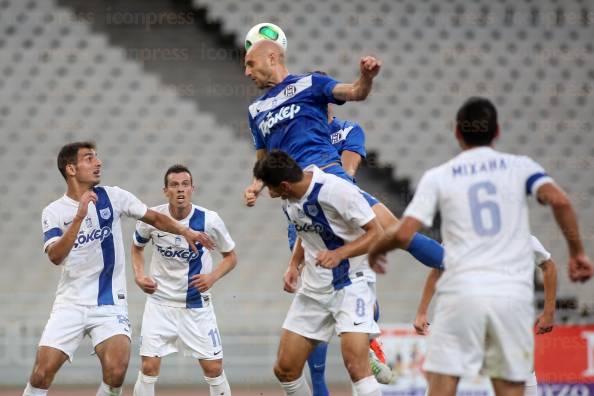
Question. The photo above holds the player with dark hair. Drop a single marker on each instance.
(82, 234)
(484, 316)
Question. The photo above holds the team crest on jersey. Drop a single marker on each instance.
(88, 222)
(105, 213)
(312, 210)
(177, 241)
(300, 213)
(290, 91)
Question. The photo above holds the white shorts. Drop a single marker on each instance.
(166, 330)
(473, 335)
(349, 310)
(530, 388)
(68, 324)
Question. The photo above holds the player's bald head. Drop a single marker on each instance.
(267, 49)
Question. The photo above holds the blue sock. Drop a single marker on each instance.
(427, 251)
(317, 366)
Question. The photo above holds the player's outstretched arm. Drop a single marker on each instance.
(167, 224)
(350, 162)
(546, 320)
(250, 194)
(58, 250)
(396, 237)
(360, 89)
(358, 247)
(203, 282)
(580, 267)
(420, 323)
(146, 283)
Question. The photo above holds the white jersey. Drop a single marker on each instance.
(330, 214)
(540, 253)
(482, 197)
(94, 272)
(173, 263)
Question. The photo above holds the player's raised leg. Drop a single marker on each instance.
(47, 363)
(355, 354)
(114, 355)
(293, 351)
(147, 376)
(215, 377)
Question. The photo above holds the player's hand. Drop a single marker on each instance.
(193, 237)
(370, 67)
(421, 324)
(378, 263)
(580, 268)
(202, 282)
(544, 323)
(250, 195)
(290, 279)
(328, 258)
(146, 284)
(83, 204)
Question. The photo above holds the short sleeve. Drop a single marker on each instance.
(323, 87)
(534, 175)
(128, 204)
(350, 204)
(423, 206)
(355, 140)
(217, 229)
(256, 137)
(50, 226)
(540, 253)
(142, 234)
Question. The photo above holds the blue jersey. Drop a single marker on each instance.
(347, 135)
(293, 117)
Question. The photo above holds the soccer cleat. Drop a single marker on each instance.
(376, 347)
(382, 373)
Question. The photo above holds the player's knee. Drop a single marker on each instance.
(115, 375)
(357, 369)
(150, 368)
(213, 369)
(41, 378)
(285, 373)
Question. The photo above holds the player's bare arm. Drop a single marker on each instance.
(580, 267)
(293, 271)
(358, 247)
(360, 89)
(420, 323)
(167, 224)
(203, 282)
(546, 320)
(250, 195)
(397, 236)
(58, 250)
(350, 162)
(146, 283)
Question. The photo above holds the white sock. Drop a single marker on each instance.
(367, 386)
(32, 391)
(298, 387)
(145, 385)
(106, 390)
(219, 386)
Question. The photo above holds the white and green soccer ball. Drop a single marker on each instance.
(265, 31)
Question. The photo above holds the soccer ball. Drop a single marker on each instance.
(265, 31)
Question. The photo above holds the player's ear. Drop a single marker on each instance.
(70, 170)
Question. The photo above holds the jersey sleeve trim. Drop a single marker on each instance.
(52, 233)
(139, 240)
(328, 88)
(535, 181)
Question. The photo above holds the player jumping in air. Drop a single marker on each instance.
(484, 315)
(292, 116)
(82, 234)
(179, 311)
